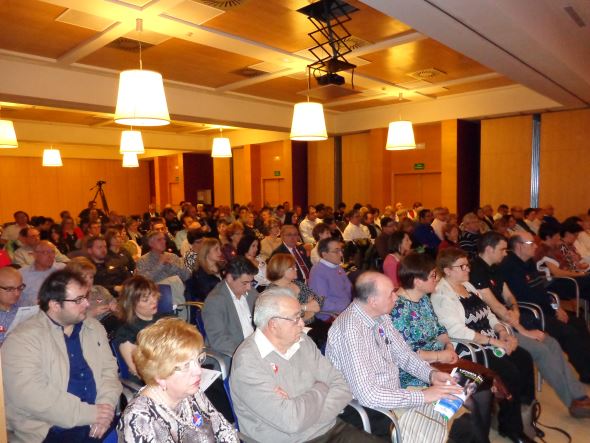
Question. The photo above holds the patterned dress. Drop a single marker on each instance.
(418, 325)
(195, 420)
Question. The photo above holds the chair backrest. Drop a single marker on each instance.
(197, 316)
(165, 304)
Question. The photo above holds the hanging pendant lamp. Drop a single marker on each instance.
(7, 135)
(130, 160)
(308, 122)
(400, 135)
(52, 158)
(221, 146)
(141, 100)
(131, 141)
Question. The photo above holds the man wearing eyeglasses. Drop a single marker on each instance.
(283, 389)
(327, 278)
(529, 285)
(60, 377)
(34, 274)
(11, 287)
(228, 309)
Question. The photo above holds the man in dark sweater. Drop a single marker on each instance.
(528, 285)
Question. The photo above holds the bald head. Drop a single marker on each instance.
(375, 292)
(10, 287)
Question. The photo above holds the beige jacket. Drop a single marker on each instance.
(35, 366)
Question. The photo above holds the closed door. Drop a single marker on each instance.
(271, 191)
(409, 188)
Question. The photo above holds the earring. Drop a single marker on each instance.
(163, 387)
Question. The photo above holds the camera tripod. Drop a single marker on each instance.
(103, 197)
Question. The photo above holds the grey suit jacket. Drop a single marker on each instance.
(222, 324)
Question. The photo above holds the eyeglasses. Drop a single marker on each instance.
(297, 318)
(526, 242)
(78, 300)
(195, 363)
(464, 267)
(18, 288)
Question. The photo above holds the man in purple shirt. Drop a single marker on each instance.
(327, 278)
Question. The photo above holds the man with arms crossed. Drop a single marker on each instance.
(283, 389)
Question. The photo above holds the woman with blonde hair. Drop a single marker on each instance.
(208, 266)
(171, 407)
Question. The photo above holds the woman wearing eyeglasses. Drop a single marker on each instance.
(282, 272)
(414, 318)
(171, 407)
(466, 316)
(139, 298)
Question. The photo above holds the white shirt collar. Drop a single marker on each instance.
(231, 293)
(265, 347)
(329, 264)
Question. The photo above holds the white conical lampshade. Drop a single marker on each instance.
(141, 100)
(7, 135)
(308, 122)
(131, 141)
(130, 160)
(52, 157)
(221, 147)
(400, 136)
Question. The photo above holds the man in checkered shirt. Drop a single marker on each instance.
(369, 351)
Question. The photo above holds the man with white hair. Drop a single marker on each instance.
(35, 274)
(283, 389)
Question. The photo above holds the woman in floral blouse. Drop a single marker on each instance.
(171, 407)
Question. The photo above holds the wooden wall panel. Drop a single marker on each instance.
(402, 162)
(565, 162)
(276, 156)
(320, 172)
(29, 186)
(221, 181)
(242, 175)
(356, 169)
(506, 161)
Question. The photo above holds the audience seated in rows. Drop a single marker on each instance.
(282, 388)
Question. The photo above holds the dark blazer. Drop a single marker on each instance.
(222, 324)
(282, 249)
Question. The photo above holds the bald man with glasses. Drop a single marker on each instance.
(11, 288)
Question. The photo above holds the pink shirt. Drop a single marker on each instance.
(390, 266)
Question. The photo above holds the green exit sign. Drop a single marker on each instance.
(419, 166)
(277, 173)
